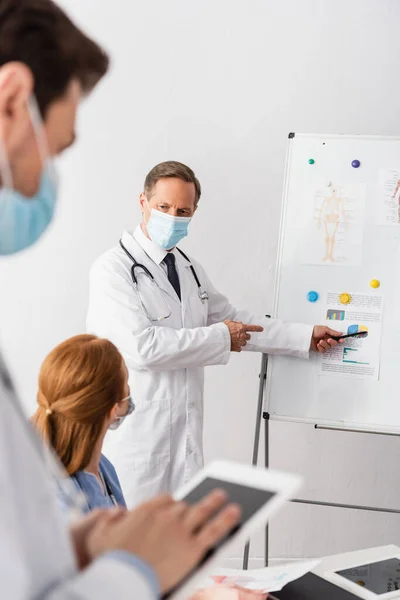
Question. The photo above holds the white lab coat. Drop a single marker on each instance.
(159, 447)
(36, 557)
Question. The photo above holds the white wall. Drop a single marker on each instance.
(218, 84)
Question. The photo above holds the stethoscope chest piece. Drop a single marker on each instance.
(203, 295)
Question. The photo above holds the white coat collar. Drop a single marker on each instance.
(156, 254)
(153, 251)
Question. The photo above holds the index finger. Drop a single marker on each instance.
(333, 332)
(219, 527)
(253, 328)
(203, 510)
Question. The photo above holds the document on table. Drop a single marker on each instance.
(358, 358)
(270, 579)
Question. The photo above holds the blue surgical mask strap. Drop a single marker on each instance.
(23, 219)
(144, 214)
(38, 128)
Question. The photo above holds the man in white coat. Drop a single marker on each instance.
(46, 65)
(170, 322)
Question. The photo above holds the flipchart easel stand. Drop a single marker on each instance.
(264, 416)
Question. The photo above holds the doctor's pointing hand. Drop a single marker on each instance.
(168, 320)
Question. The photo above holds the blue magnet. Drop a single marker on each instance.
(355, 164)
(312, 296)
(352, 329)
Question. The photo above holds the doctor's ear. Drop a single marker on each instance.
(142, 201)
(16, 86)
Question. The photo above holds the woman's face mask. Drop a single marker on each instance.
(23, 220)
(119, 420)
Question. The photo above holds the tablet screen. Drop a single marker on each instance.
(379, 578)
(250, 500)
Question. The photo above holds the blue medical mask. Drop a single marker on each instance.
(166, 230)
(119, 420)
(23, 220)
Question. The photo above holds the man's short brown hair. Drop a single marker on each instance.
(40, 35)
(171, 168)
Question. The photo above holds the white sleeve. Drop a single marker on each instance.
(36, 557)
(278, 337)
(106, 578)
(115, 313)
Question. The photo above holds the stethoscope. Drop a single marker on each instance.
(203, 295)
(108, 491)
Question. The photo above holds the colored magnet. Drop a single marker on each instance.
(375, 283)
(352, 329)
(312, 296)
(355, 164)
(311, 161)
(345, 298)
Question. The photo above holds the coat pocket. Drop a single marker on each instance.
(151, 433)
(198, 311)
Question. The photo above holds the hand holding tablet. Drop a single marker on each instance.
(258, 492)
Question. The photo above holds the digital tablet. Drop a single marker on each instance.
(259, 492)
(379, 579)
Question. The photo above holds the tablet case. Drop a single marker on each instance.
(312, 587)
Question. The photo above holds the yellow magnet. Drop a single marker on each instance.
(345, 298)
(375, 283)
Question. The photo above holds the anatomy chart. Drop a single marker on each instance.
(334, 234)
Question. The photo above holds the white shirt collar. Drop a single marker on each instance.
(156, 253)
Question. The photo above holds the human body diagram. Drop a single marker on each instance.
(331, 214)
